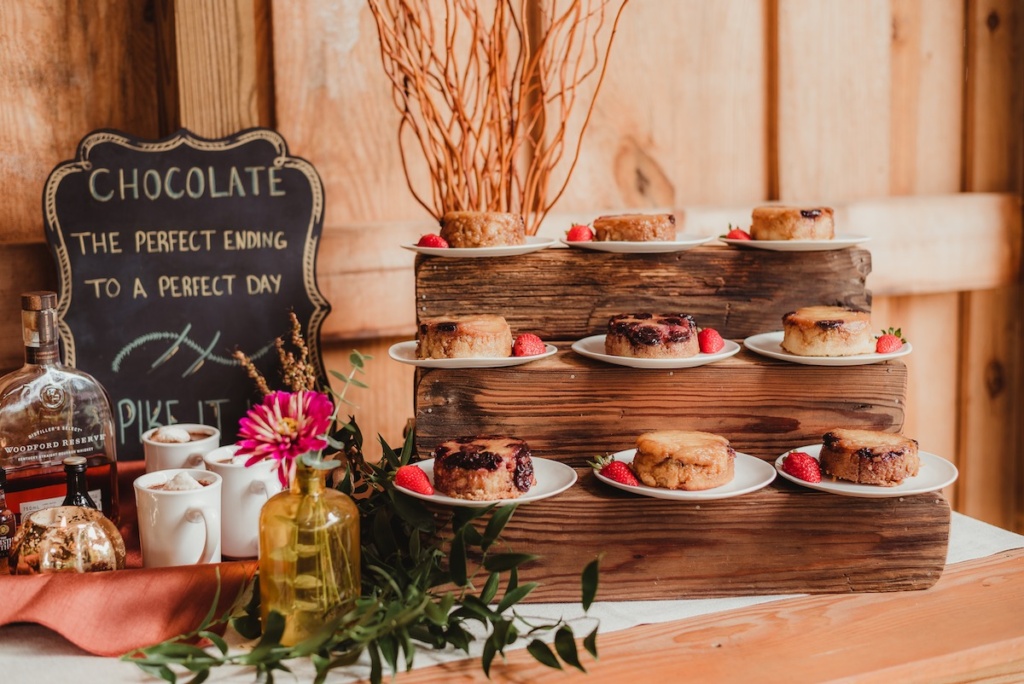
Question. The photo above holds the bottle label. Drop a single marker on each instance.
(39, 504)
(6, 537)
(51, 445)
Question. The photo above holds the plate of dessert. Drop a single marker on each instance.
(678, 244)
(632, 234)
(791, 229)
(405, 352)
(851, 463)
(532, 243)
(688, 474)
(594, 347)
(823, 335)
(840, 241)
(770, 345)
(469, 341)
(491, 488)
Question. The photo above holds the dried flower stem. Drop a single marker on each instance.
(487, 100)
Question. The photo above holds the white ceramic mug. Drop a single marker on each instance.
(169, 455)
(178, 527)
(244, 491)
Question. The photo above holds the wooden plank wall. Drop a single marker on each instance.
(709, 108)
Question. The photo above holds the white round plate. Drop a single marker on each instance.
(935, 473)
(838, 242)
(533, 243)
(751, 474)
(770, 345)
(593, 348)
(646, 247)
(405, 352)
(553, 478)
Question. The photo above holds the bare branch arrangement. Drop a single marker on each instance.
(486, 95)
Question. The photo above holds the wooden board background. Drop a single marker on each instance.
(878, 107)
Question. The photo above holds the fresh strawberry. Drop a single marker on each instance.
(528, 344)
(579, 233)
(889, 341)
(432, 240)
(737, 234)
(414, 479)
(802, 466)
(710, 341)
(617, 471)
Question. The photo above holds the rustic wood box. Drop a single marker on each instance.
(782, 539)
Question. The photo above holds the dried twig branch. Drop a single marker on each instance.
(486, 97)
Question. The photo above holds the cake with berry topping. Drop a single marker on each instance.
(482, 229)
(792, 223)
(635, 228)
(461, 337)
(827, 331)
(483, 468)
(652, 336)
(869, 456)
(682, 459)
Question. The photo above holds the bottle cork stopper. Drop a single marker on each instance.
(38, 301)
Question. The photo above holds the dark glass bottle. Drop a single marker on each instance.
(49, 411)
(7, 524)
(78, 491)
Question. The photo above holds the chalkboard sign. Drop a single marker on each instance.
(172, 254)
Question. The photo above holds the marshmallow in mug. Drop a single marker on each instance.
(181, 445)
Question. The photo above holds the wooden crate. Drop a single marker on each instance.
(782, 539)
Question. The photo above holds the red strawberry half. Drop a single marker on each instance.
(432, 240)
(616, 471)
(414, 479)
(579, 233)
(737, 234)
(710, 341)
(802, 466)
(528, 344)
(889, 341)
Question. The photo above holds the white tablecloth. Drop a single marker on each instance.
(34, 655)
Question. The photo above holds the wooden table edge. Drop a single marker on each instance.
(969, 624)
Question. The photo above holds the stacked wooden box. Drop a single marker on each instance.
(781, 539)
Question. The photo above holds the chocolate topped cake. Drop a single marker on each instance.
(483, 468)
(482, 229)
(792, 223)
(460, 337)
(827, 331)
(652, 336)
(869, 456)
(635, 228)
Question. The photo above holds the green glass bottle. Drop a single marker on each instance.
(309, 555)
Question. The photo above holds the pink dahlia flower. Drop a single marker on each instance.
(285, 426)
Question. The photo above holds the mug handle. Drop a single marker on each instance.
(260, 487)
(211, 517)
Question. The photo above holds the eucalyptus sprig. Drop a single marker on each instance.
(425, 584)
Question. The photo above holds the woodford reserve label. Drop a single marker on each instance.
(174, 253)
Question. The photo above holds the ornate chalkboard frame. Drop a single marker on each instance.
(173, 253)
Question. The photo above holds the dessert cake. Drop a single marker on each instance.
(460, 337)
(827, 331)
(483, 468)
(635, 228)
(680, 459)
(869, 457)
(652, 336)
(482, 229)
(792, 223)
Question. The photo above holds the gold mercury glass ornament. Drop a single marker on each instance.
(66, 539)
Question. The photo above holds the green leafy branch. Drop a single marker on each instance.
(421, 587)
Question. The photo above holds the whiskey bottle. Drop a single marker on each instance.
(78, 493)
(7, 525)
(48, 412)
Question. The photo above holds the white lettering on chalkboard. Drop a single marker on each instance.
(196, 286)
(175, 183)
(98, 243)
